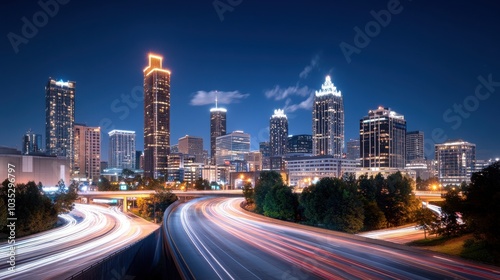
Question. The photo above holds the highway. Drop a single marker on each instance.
(91, 233)
(215, 239)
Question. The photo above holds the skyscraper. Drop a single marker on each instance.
(456, 161)
(217, 127)
(382, 139)
(32, 143)
(232, 147)
(328, 121)
(278, 133)
(122, 153)
(190, 145)
(414, 145)
(87, 154)
(265, 150)
(156, 117)
(299, 145)
(59, 118)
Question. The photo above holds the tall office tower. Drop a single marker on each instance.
(87, 154)
(278, 133)
(138, 155)
(190, 145)
(156, 117)
(353, 150)
(328, 121)
(232, 147)
(382, 139)
(265, 150)
(299, 145)
(59, 118)
(414, 145)
(456, 161)
(217, 127)
(122, 151)
(32, 143)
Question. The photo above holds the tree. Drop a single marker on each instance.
(281, 203)
(266, 180)
(201, 184)
(426, 220)
(450, 223)
(481, 206)
(105, 185)
(248, 193)
(64, 200)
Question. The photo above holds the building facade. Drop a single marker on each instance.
(353, 149)
(191, 145)
(32, 143)
(383, 139)
(232, 147)
(217, 128)
(156, 117)
(414, 146)
(278, 133)
(122, 153)
(304, 171)
(456, 161)
(265, 150)
(87, 154)
(300, 145)
(59, 118)
(328, 121)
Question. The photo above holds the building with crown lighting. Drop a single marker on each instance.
(278, 133)
(328, 121)
(217, 127)
(383, 140)
(156, 117)
(59, 118)
(456, 161)
(87, 154)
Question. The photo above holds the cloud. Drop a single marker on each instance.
(306, 104)
(279, 93)
(310, 67)
(201, 97)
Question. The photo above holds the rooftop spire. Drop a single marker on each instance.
(328, 88)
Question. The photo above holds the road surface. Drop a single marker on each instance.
(216, 239)
(91, 233)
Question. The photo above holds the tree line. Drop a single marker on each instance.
(35, 210)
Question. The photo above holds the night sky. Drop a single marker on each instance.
(425, 63)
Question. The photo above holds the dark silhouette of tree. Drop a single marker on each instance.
(201, 184)
(426, 220)
(281, 203)
(266, 181)
(450, 220)
(481, 207)
(105, 185)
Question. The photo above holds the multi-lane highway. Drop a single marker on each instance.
(215, 239)
(91, 232)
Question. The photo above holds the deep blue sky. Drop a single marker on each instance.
(426, 59)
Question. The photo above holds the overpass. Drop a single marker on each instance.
(125, 195)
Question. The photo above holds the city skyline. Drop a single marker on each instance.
(392, 71)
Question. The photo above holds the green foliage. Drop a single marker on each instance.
(334, 204)
(248, 193)
(281, 203)
(64, 200)
(266, 181)
(374, 217)
(154, 206)
(427, 221)
(481, 206)
(34, 211)
(450, 224)
(105, 185)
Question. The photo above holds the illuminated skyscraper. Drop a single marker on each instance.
(217, 127)
(32, 143)
(414, 145)
(87, 155)
(383, 139)
(191, 145)
(232, 147)
(328, 121)
(59, 118)
(278, 133)
(122, 153)
(456, 161)
(156, 117)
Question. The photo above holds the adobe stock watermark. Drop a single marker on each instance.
(123, 106)
(29, 29)
(363, 37)
(222, 6)
(458, 112)
(11, 216)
